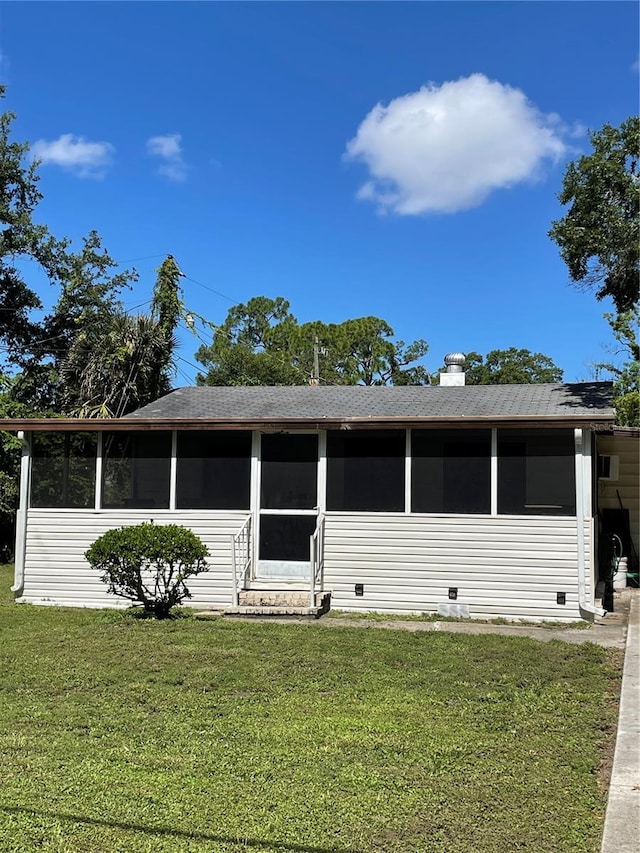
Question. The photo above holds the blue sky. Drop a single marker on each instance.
(395, 159)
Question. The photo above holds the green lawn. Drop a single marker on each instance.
(121, 734)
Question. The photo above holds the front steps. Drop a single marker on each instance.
(279, 602)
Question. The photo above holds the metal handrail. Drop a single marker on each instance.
(316, 547)
(241, 558)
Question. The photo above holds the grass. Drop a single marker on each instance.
(121, 734)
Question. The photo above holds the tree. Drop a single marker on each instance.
(89, 296)
(362, 352)
(262, 343)
(21, 239)
(149, 564)
(510, 367)
(123, 362)
(599, 236)
(251, 346)
(626, 376)
(88, 302)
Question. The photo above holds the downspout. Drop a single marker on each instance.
(21, 516)
(584, 605)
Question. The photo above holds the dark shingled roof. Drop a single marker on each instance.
(348, 402)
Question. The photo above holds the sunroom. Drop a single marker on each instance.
(459, 500)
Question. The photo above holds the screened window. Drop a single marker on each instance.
(286, 537)
(536, 473)
(213, 470)
(289, 477)
(451, 471)
(63, 469)
(136, 470)
(365, 470)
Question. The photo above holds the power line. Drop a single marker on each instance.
(179, 370)
(190, 363)
(212, 290)
(140, 305)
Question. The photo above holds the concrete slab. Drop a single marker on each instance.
(622, 822)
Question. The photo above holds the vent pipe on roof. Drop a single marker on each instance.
(454, 374)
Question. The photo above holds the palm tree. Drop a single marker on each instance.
(115, 371)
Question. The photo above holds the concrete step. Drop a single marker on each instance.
(271, 611)
(278, 598)
(277, 602)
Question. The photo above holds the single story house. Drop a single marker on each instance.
(476, 501)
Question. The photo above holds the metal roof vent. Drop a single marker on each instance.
(454, 375)
(454, 362)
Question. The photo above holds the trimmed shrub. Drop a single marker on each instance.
(149, 564)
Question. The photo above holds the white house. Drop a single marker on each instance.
(478, 501)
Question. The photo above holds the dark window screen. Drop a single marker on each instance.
(289, 471)
(136, 470)
(365, 470)
(536, 472)
(63, 470)
(286, 537)
(451, 471)
(213, 470)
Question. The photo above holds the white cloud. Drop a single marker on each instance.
(446, 148)
(169, 149)
(76, 154)
(635, 66)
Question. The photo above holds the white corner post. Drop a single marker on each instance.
(315, 540)
(21, 515)
(255, 499)
(582, 442)
(407, 471)
(322, 471)
(312, 569)
(234, 572)
(494, 472)
(98, 491)
(173, 470)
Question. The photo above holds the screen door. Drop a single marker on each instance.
(288, 509)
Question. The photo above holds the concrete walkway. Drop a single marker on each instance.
(609, 631)
(622, 822)
(610, 634)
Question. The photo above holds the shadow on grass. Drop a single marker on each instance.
(249, 843)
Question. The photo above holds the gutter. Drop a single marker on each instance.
(584, 605)
(130, 423)
(21, 516)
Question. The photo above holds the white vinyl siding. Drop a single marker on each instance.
(511, 567)
(504, 566)
(56, 571)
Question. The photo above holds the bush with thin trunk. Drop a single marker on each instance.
(149, 564)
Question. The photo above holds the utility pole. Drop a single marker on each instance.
(315, 376)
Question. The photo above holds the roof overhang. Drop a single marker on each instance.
(596, 421)
(625, 432)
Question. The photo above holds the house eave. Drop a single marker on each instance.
(597, 421)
